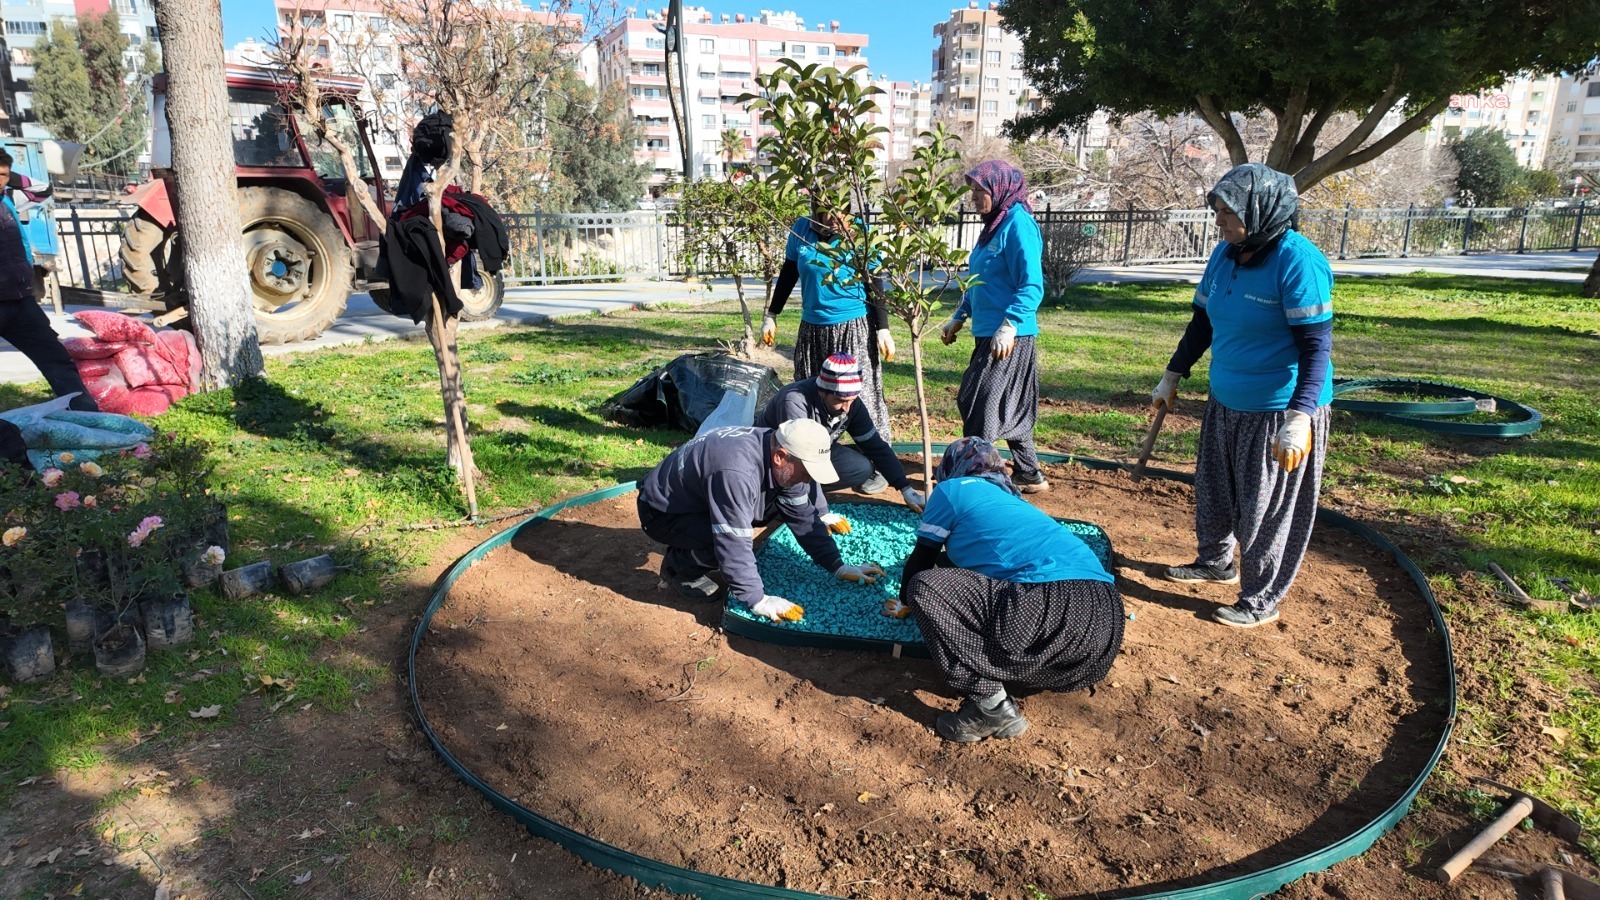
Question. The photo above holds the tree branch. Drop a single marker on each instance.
(1324, 165)
(1306, 149)
(1401, 132)
(1222, 124)
(1283, 141)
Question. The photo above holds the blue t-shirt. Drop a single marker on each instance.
(1254, 361)
(1010, 272)
(992, 532)
(822, 303)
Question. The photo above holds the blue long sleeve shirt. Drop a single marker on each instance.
(1010, 273)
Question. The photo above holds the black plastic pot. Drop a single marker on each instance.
(247, 581)
(94, 570)
(215, 531)
(119, 651)
(197, 573)
(168, 622)
(84, 621)
(308, 575)
(30, 653)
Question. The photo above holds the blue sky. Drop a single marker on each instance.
(901, 31)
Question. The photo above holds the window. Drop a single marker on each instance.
(969, 57)
(261, 133)
(824, 50)
(966, 104)
(1594, 89)
(708, 45)
(992, 83)
(378, 25)
(652, 68)
(1533, 117)
(387, 81)
(708, 101)
(655, 43)
(1572, 106)
(151, 34)
(708, 76)
(708, 169)
(710, 121)
(994, 32)
(325, 159)
(1016, 59)
(344, 22)
(382, 54)
(1015, 84)
(797, 50)
(966, 81)
(21, 56)
(25, 28)
(992, 57)
(990, 107)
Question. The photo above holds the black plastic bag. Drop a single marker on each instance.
(682, 393)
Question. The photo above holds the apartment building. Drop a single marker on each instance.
(27, 22)
(1575, 130)
(1522, 109)
(906, 109)
(978, 84)
(721, 57)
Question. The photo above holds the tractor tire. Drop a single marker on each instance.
(476, 306)
(146, 253)
(300, 267)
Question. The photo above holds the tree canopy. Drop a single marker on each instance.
(1303, 61)
(84, 90)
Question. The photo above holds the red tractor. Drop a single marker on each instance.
(308, 242)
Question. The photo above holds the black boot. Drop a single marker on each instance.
(971, 723)
(689, 573)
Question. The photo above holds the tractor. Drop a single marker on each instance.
(308, 241)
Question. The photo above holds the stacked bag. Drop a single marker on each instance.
(129, 367)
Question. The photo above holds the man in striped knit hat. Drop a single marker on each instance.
(830, 398)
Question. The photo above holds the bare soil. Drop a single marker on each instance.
(565, 676)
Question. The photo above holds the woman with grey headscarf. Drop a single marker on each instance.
(1264, 308)
(1004, 595)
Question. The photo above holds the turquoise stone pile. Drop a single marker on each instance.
(880, 533)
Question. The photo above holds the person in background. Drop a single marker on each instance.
(836, 317)
(22, 323)
(1264, 307)
(999, 395)
(706, 498)
(832, 399)
(1004, 595)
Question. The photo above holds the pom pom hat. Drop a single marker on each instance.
(840, 375)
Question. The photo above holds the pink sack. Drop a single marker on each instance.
(92, 368)
(114, 326)
(110, 391)
(90, 348)
(142, 365)
(179, 348)
(153, 400)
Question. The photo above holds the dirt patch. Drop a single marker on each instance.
(562, 674)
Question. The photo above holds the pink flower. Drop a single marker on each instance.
(50, 477)
(151, 522)
(90, 501)
(90, 468)
(66, 501)
(146, 525)
(142, 451)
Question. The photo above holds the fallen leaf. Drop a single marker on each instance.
(207, 712)
(302, 879)
(1560, 735)
(352, 472)
(256, 873)
(500, 727)
(31, 779)
(865, 796)
(310, 833)
(1573, 640)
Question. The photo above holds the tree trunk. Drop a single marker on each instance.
(1591, 285)
(747, 347)
(922, 412)
(442, 335)
(205, 194)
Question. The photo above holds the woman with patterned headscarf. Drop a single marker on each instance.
(999, 396)
(1004, 595)
(1264, 308)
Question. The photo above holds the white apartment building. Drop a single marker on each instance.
(27, 22)
(721, 57)
(906, 109)
(1575, 130)
(1522, 109)
(978, 84)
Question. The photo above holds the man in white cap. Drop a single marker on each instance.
(830, 399)
(705, 500)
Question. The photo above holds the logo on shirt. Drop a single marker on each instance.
(1263, 299)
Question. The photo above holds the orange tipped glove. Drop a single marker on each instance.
(1166, 393)
(895, 609)
(836, 523)
(913, 498)
(769, 330)
(866, 574)
(1293, 443)
(885, 344)
(778, 609)
(949, 330)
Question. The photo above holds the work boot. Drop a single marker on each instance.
(1197, 573)
(970, 723)
(1240, 616)
(689, 573)
(877, 484)
(1031, 484)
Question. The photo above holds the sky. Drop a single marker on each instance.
(900, 32)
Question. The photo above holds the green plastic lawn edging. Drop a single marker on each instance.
(715, 887)
(1422, 414)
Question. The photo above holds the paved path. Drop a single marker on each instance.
(363, 321)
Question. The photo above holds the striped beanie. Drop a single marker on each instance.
(840, 375)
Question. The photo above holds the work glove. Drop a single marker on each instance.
(1167, 391)
(885, 344)
(866, 574)
(769, 330)
(1005, 338)
(836, 523)
(949, 330)
(913, 498)
(894, 608)
(778, 609)
(1293, 443)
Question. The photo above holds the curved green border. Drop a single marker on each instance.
(1418, 415)
(715, 887)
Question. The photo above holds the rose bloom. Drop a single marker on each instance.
(90, 501)
(50, 477)
(65, 457)
(91, 469)
(66, 501)
(142, 451)
(13, 535)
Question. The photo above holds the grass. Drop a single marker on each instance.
(342, 448)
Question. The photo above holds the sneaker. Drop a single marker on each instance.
(1240, 616)
(970, 723)
(702, 588)
(877, 484)
(1195, 573)
(1035, 485)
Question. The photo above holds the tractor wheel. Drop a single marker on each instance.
(300, 266)
(146, 252)
(476, 306)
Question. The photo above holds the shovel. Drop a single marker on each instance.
(1150, 441)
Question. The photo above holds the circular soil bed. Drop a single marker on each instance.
(563, 675)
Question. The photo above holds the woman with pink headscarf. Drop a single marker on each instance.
(999, 396)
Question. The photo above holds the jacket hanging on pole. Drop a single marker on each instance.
(417, 269)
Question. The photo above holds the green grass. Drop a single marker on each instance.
(342, 448)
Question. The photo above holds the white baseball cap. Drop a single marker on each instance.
(807, 441)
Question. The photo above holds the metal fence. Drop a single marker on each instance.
(550, 248)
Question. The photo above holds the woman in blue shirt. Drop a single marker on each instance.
(1264, 308)
(999, 396)
(1004, 594)
(836, 317)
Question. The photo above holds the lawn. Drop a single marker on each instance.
(341, 451)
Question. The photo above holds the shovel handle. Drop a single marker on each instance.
(1554, 884)
(1149, 441)
(1518, 810)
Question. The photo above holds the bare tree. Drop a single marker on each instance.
(204, 191)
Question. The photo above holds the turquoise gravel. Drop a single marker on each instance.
(880, 533)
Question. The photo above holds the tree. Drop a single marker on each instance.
(1488, 167)
(732, 226)
(62, 98)
(118, 91)
(204, 191)
(591, 145)
(1302, 61)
